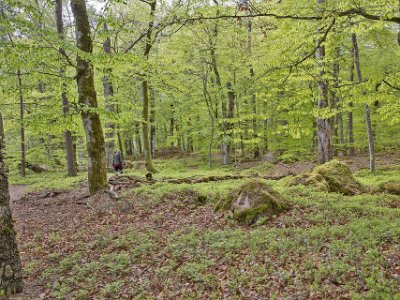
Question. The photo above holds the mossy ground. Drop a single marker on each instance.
(150, 244)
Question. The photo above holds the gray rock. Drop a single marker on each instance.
(270, 158)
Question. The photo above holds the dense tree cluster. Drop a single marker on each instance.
(236, 78)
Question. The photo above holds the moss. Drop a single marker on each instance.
(223, 203)
(202, 199)
(332, 176)
(315, 181)
(391, 187)
(339, 178)
(253, 200)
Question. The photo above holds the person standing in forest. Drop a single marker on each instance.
(117, 162)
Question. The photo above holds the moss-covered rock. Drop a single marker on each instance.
(332, 176)
(390, 187)
(252, 201)
(315, 181)
(339, 178)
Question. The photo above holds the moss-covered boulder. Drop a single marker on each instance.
(333, 176)
(253, 201)
(315, 181)
(339, 178)
(390, 187)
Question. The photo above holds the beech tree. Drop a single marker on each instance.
(88, 102)
(229, 81)
(10, 264)
(69, 143)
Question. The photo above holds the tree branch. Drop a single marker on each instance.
(391, 85)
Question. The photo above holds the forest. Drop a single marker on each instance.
(191, 149)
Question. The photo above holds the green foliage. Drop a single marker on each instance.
(47, 180)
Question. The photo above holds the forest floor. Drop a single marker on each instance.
(156, 242)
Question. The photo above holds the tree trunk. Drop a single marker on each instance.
(231, 115)
(212, 116)
(152, 124)
(22, 126)
(256, 152)
(145, 94)
(336, 101)
(108, 95)
(138, 142)
(189, 136)
(172, 125)
(370, 135)
(146, 138)
(350, 132)
(224, 143)
(69, 144)
(10, 264)
(97, 175)
(324, 132)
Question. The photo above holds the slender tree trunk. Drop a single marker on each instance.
(145, 93)
(108, 95)
(129, 147)
(324, 132)
(10, 264)
(252, 76)
(87, 99)
(225, 138)
(371, 146)
(189, 136)
(22, 126)
(120, 144)
(224, 143)
(212, 121)
(138, 142)
(2, 135)
(240, 127)
(172, 125)
(338, 118)
(146, 138)
(68, 138)
(231, 115)
(350, 132)
(152, 123)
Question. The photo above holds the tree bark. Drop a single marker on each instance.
(189, 142)
(371, 146)
(10, 264)
(68, 138)
(97, 175)
(224, 143)
(22, 126)
(256, 151)
(152, 123)
(138, 143)
(108, 95)
(324, 132)
(231, 115)
(350, 132)
(145, 93)
(336, 101)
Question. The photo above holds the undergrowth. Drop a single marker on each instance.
(326, 246)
